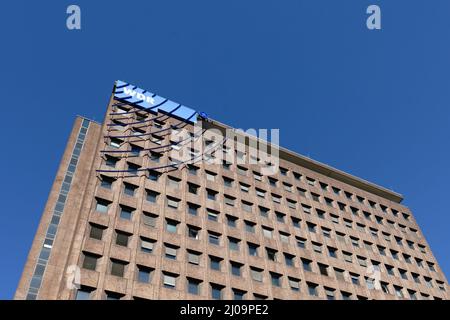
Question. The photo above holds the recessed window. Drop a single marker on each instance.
(170, 252)
(153, 175)
(106, 182)
(329, 202)
(211, 194)
(330, 293)
(340, 274)
(355, 278)
(263, 212)
(193, 188)
(398, 291)
(323, 269)
(284, 237)
(247, 206)
(241, 170)
(326, 232)
(273, 182)
(115, 143)
(147, 245)
(370, 283)
(311, 227)
(347, 256)
(332, 252)
(193, 209)
(301, 242)
(271, 254)
(302, 192)
(227, 182)
(280, 216)
(122, 238)
(171, 225)
(315, 197)
(236, 269)
(214, 238)
(216, 291)
(144, 274)
(152, 196)
(231, 221)
(111, 161)
(312, 289)
(214, 263)
(192, 169)
(193, 232)
(289, 259)
(96, 231)
(306, 264)
(194, 286)
(210, 176)
(294, 284)
(118, 267)
(194, 257)
(212, 215)
(317, 247)
(169, 280)
(90, 260)
(149, 219)
(173, 202)
(275, 279)
(233, 244)
(126, 213)
(256, 274)
(84, 293)
(295, 222)
(102, 205)
(252, 249)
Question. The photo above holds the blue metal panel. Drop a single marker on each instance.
(151, 102)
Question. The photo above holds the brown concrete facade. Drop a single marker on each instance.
(308, 232)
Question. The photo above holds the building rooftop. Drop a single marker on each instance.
(327, 170)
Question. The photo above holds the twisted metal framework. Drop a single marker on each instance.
(146, 136)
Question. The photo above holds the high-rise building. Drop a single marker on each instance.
(126, 219)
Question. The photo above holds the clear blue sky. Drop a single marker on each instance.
(373, 103)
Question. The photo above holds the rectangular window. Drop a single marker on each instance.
(267, 232)
(306, 264)
(152, 196)
(257, 274)
(144, 274)
(235, 269)
(193, 286)
(271, 254)
(212, 215)
(117, 267)
(294, 284)
(122, 238)
(172, 202)
(193, 209)
(252, 249)
(312, 289)
(216, 291)
(126, 213)
(170, 252)
(214, 263)
(275, 279)
(193, 257)
(214, 238)
(171, 226)
(323, 269)
(147, 245)
(129, 189)
(96, 231)
(149, 219)
(90, 260)
(169, 280)
(102, 206)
